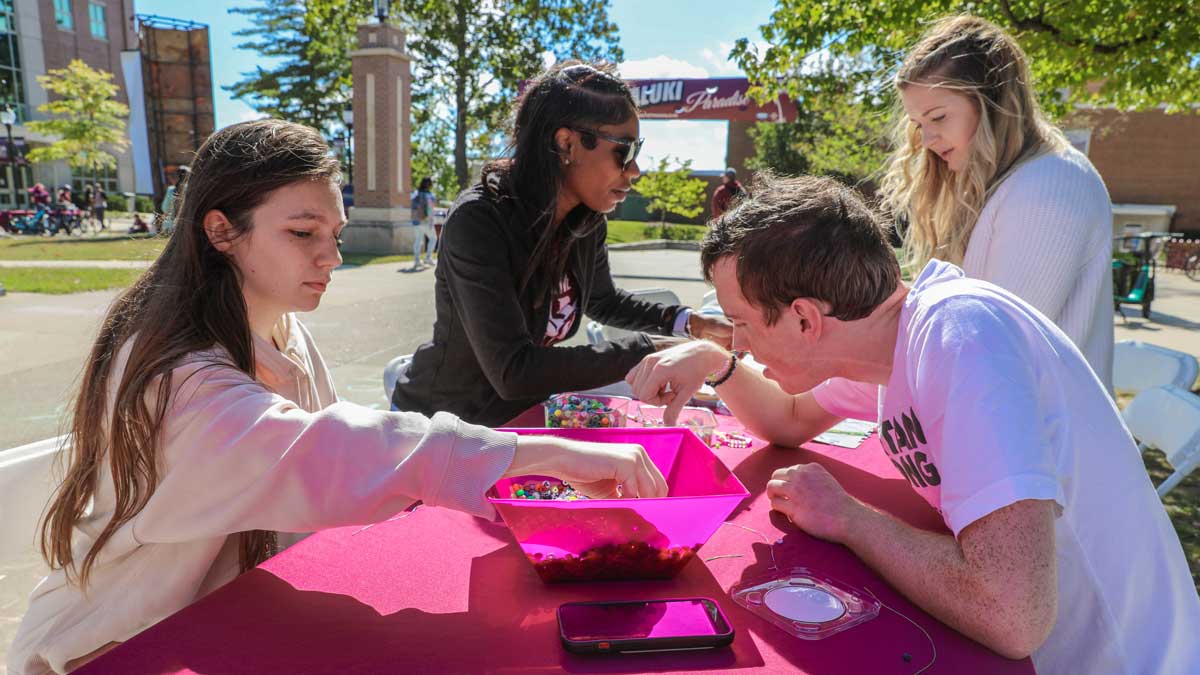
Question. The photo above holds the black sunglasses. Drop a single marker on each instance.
(628, 147)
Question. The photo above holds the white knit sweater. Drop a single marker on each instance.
(1046, 235)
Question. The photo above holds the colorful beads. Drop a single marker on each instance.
(629, 560)
(545, 490)
(571, 411)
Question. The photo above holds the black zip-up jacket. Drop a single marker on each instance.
(485, 362)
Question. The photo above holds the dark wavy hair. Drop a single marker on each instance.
(568, 94)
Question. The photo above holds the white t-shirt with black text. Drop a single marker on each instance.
(988, 404)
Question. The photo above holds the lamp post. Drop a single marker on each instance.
(348, 119)
(381, 10)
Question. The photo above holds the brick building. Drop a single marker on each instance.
(1150, 162)
(41, 35)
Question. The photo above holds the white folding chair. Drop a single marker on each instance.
(1167, 418)
(26, 484)
(391, 373)
(597, 332)
(1138, 366)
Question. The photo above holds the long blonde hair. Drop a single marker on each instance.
(974, 57)
(190, 299)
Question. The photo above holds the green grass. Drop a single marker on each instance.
(1182, 504)
(62, 280)
(373, 258)
(629, 231)
(120, 247)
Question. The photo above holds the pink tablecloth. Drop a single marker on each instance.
(442, 592)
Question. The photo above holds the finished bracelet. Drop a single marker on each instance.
(733, 361)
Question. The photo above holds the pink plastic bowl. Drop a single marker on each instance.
(623, 539)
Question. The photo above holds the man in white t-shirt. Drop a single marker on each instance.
(1059, 549)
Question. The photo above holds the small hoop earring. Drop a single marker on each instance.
(566, 161)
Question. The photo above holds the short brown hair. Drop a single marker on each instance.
(805, 237)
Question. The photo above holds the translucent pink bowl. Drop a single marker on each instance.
(623, 539)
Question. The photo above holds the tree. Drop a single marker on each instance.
(468, 58)
(672, 191)
(312, 81)
(88, 118)
(471, 55)
(1131, 54)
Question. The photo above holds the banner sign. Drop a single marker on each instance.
(720, 98)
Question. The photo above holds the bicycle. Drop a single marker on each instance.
(1191, 267)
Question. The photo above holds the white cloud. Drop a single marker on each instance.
(660, 66)
(718, 60)
(703, 142)
(250, 116)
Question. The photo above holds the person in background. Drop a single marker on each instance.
(64, 198)
(984, 181)
(523, 258)
(99, 205)
(39, 196)
(424, 236)
(725, 194)
(168, 203)
(139, 225)
(89, 220)
(207, 434)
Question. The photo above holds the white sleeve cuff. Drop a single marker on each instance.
(681, 323)
(1004, 492)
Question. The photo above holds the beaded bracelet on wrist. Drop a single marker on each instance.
(733, 360)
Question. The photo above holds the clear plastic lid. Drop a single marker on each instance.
(807, 605)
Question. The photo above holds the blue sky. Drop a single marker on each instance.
(661, 38)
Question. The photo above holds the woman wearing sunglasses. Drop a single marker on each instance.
(523, 258)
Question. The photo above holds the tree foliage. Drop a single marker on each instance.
(468, 58)
(87, 118)
(471, 55)
(1130, 54)
(311, 81)
(672, 191)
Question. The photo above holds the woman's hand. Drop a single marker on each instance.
(595, 469)
(716, 329)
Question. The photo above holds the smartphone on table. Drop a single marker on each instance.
(631, 626)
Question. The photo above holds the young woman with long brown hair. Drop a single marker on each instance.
(207, 428)
(987, 183)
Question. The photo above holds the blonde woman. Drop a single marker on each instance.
(986, 182)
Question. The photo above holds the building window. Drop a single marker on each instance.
(12, 88)
(82, 178)
(96, 18)
(62, 14)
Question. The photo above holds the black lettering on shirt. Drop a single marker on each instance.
(904, 435)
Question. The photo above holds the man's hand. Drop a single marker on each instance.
(672, 376)
(813, 499)
(716, 329)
